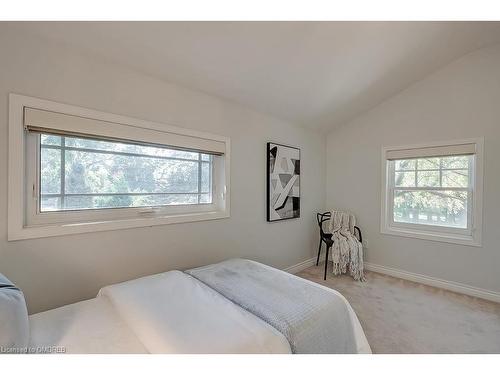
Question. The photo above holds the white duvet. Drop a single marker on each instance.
(92, 326)
(165, 313)
(174, 313)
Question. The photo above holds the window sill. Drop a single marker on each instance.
(41, 231)
(432, 236)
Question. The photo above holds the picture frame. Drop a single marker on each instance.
(283, 182)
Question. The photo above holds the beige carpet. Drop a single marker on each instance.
(400, 316)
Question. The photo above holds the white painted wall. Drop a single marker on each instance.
(461, 100)
(60, 270)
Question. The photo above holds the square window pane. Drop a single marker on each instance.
(456, 161)
(428, 178)
(404, 179)
(443, 208)
(50, 171)
(428, 163)
(205, 198)
(458, 178)
(206, 157)
(407, 164)
(50, 204)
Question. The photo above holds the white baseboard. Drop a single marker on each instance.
(438, 283)
(415, 277)
(301, 266)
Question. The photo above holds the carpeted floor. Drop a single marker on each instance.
(400, 316)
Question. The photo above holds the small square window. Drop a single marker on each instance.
(433, 192)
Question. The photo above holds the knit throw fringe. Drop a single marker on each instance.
(347, 251)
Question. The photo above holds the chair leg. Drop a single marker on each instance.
(326, 260)
(319, 251)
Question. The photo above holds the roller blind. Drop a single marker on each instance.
(48, 122)
(427, 152)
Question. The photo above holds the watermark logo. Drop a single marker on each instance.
(33, 350)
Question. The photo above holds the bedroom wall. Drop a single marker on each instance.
(459, 101)
(61, 270)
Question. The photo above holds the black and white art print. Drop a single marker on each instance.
(283, 182)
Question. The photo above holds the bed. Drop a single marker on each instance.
(179, 312)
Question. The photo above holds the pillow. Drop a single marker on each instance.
(14, 324)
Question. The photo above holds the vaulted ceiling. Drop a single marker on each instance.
(315, 74)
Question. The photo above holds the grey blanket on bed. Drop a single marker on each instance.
(313, 320)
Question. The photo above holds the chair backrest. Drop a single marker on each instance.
(321, 218)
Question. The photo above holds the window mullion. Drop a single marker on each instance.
(199, 177)
(430, 188)
(470, 192)
(210, 186)
(441, 172)
(108, 152)
(63, 171)
(392, 184)
(416, 169)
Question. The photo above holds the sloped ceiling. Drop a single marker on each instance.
(314, 74)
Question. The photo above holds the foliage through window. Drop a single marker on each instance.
(84, 173)
(432, 191)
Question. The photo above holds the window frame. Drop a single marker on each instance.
(471, 236)
(25, 219)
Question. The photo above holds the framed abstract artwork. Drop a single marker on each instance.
(283, 182)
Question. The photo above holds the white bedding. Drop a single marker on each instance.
(164, 313)
(361, 342)
(362, 346)
(175, 313)
(91, 326)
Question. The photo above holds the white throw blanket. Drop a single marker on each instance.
(347, 250)
(313, 319)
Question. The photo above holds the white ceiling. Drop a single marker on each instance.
(316, 74)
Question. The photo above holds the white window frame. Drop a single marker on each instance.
(24, 219)
(471, 236)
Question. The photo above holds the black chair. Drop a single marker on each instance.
(324, 237)
(327, 237)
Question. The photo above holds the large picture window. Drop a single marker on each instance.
(76, 170)
(433, 192)
(83, 173)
